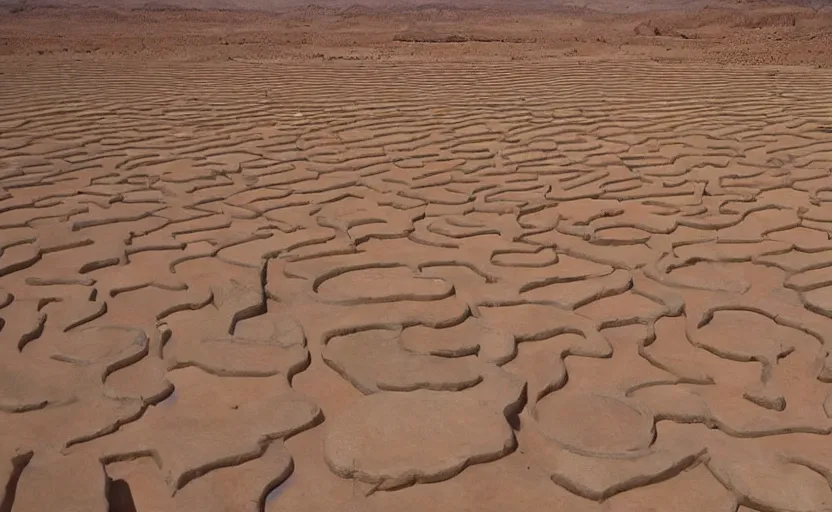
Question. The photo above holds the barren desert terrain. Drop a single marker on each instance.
(453, 258)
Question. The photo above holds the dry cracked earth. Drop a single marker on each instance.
(243, 286)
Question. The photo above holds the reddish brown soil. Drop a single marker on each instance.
(733, 33)
(402, 260)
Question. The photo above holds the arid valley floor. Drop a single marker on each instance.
(371, 260)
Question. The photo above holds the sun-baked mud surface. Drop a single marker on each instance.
(592, 286)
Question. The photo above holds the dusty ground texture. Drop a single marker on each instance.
(726, 32)
(593, 285)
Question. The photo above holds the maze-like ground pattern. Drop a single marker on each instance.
(249, 286)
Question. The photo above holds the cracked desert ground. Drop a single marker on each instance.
(459, 281)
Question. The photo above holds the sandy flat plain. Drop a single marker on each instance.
(346, 259)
